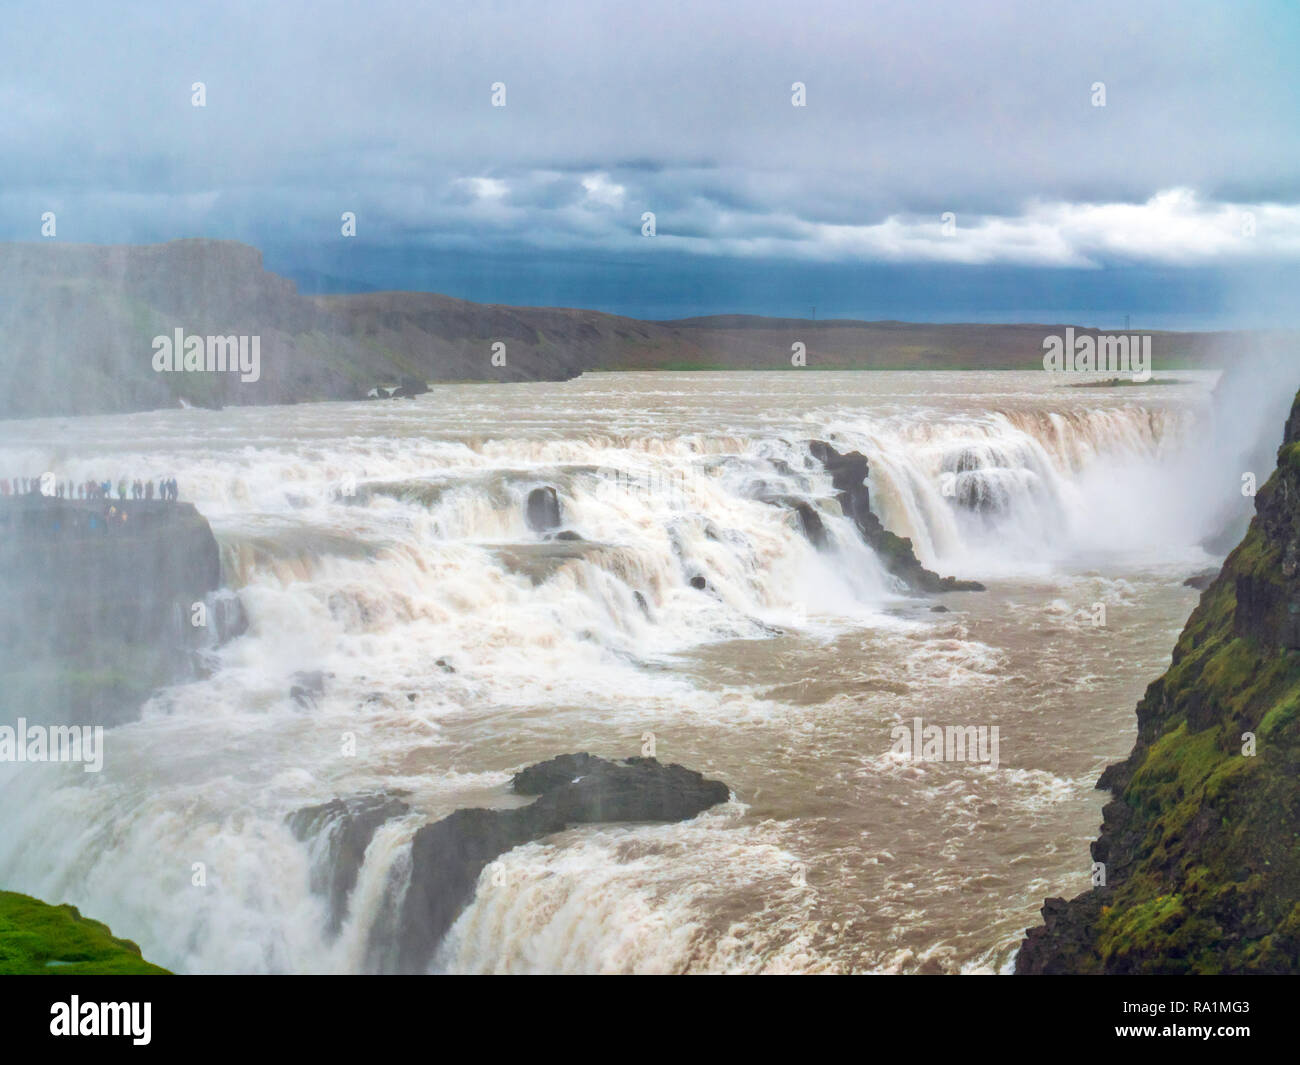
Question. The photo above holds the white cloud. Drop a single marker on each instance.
(1173, 227)
(485, 188)
(602, 191)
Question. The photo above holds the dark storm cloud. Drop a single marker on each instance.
(913, 109)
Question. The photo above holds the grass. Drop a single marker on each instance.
(39, 939)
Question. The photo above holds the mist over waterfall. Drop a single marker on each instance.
(1003, 490)
(414, 630)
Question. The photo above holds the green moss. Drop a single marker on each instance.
(1289, 457)
(37, 938)
(1135, 926)
(1280, 719)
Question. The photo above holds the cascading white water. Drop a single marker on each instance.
(1000, 490)
(386, 547)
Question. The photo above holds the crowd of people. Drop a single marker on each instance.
(166, 489)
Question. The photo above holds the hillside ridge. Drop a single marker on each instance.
(79, 323)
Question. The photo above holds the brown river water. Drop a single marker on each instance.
(369, 540)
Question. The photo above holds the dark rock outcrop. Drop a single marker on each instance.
(308, 687)
(1199, 842)
(407, 388)
(1066, 943)
(411, 387)
(341, 830)
(100, 604)
(1268, 590)
(125, 566)
(810, 521)
(542, 509)
(848, 478)
(448, 856)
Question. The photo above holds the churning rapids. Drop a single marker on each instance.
(783, 678)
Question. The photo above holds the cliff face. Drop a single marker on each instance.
(97, 604)
(78, 323)
(1201, 842)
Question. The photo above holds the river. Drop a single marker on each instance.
(385, 544)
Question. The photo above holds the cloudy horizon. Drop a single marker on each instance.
(947, 161)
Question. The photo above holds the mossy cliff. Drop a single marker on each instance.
(1201, 842)
(36, 938)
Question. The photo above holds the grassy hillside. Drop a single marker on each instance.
(36, 938)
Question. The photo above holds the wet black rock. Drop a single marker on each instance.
(699, 583)
(1065, 943)
(1201, 581)
(848, 478)
(408, 388)
(810, 521)
(448, 856)
(411, 387)
(811, 524)
(308, 687)
(542, 511)
(340, 831)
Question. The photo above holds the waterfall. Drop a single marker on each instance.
(401, 568)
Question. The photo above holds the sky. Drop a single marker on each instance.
(999, 161)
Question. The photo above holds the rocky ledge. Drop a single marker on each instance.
(100, 604)
(448, 856)
(1199, 843)
(849, 479)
